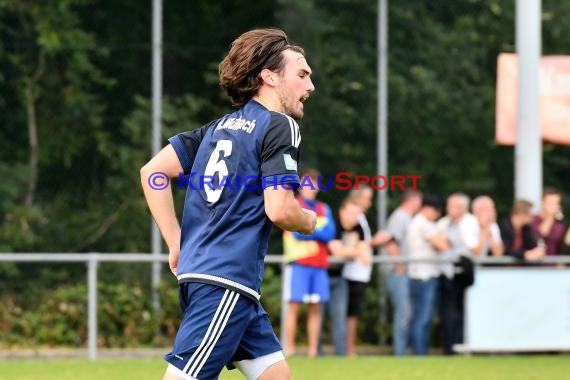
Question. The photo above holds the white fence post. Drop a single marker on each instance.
(92, 266)
(284, 305)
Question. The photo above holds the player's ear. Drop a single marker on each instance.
(268, 77)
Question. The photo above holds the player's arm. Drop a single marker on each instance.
(324, 233)
(338, 249)
(173, 159)
(284, 211)
(279, 156)
(160, 202)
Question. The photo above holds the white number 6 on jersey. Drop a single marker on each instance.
(214, 166)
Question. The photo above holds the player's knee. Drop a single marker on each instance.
(277, 371)
(173, 373)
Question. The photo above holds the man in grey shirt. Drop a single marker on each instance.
(396, 276)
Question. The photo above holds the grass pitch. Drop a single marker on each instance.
(363, 368)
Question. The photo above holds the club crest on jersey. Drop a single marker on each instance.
(290, 163)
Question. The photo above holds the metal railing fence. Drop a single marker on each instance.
(94, 259)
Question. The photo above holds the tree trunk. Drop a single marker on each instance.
(33, 130)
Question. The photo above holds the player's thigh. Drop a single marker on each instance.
(271, 366)
(210, 332)
(259, 348)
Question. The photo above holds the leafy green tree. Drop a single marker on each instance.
(54, 110)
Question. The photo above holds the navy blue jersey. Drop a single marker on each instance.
(228, 163)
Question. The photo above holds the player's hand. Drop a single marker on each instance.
(311, 217)
(173, 260)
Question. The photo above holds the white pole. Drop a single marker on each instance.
(284, 308)
(382, 136)
(92, 265)
(156, 133)
(528, 149)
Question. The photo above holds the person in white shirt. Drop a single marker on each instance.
(357, 272)
(488, 232)
(423, 241)
(462, 230)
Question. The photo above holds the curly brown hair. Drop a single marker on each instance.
(249, 54)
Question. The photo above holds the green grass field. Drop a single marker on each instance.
(436, 368)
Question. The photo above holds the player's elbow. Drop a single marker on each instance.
(277, 215)
(145, 172)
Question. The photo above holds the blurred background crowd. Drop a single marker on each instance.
(422, 228)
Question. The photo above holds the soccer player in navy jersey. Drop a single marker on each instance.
(241, 171)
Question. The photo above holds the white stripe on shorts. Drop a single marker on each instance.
(205, 339)
(215, 329)
(213, 344)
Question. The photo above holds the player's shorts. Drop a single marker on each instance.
(221, 328)
(306, 284)
(356, 294)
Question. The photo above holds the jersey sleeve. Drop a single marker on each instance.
(186, 145)
(280, 153)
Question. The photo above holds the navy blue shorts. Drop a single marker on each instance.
(306, 284)
(219, 327)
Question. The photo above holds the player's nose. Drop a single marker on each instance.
(310, 87)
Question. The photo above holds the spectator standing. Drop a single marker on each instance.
(548, 224)
(488, 234)
(461, 228)
(423, 240)
(306, 278)
(517, 234)
(396, 276)
(349, 243)
(357, 272)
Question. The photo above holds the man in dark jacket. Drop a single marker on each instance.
(517, 234)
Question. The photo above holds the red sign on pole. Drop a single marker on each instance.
(554, 95)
